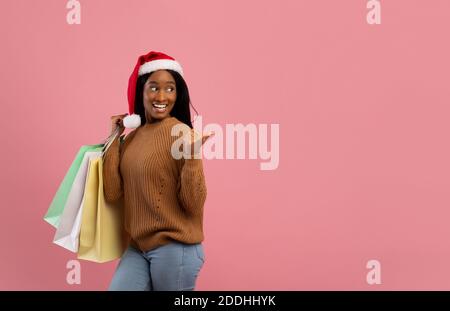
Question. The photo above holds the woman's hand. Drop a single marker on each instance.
(193, 142)
(117, 123)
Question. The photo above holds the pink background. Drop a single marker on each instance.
(363, 113)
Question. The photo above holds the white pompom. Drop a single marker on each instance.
(132, 121)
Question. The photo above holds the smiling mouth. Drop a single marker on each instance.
(159, 107)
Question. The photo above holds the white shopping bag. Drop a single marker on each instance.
(68, 231)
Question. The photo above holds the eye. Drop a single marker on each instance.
(171, 89)
(153, 88)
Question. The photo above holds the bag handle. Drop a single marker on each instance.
(108, 141)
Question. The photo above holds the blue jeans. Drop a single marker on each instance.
(171, 267)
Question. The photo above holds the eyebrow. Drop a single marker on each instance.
(167, 82)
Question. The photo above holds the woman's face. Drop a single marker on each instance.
(160, 95)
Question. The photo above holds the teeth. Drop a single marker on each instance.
(159, 106)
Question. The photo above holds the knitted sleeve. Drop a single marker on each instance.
(112, 180)
(192, 186)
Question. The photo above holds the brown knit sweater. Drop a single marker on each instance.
(163, 197)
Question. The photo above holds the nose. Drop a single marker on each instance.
(160, 96)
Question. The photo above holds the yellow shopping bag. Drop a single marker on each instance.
(102, 237)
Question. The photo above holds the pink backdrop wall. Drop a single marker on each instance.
(363, 113)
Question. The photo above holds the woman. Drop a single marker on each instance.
(163, 196)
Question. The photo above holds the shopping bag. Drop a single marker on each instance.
(68, 230)
(59, 200)
(101, 233)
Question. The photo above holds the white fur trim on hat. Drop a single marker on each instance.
(160, 64)
(132, 121)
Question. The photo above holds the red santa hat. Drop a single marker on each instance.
(145, 64)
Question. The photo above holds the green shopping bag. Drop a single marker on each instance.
(56, 208)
